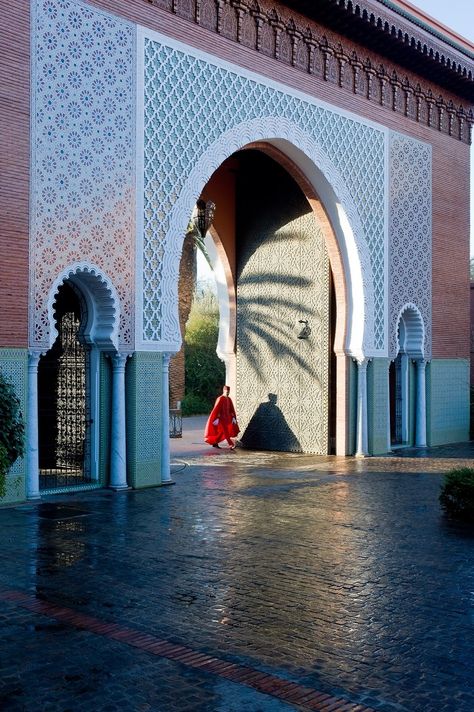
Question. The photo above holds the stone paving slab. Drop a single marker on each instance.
(348, 583)
(208, 669)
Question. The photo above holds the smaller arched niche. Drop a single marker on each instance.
(101, 302)
(408, 420)
(411, 332)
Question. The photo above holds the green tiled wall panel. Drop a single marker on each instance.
(144, 406)
(14, 367)
(447, 401)
(377, 405)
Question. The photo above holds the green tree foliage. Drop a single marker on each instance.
(12, 430)
(457, 493)
(205, 372)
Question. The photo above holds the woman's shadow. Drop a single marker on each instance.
(268, 429)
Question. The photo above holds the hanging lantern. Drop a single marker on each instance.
(203, 216)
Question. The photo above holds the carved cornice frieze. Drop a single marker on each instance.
(412, 32)
(269, 31)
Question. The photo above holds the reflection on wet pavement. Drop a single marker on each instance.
(338, 574)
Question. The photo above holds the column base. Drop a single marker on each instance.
(120, 488)
(167, 482)
(33, 497)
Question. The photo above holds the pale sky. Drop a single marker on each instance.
(458, 15)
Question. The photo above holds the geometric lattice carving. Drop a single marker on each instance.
(83, 153)
(283, 277)
(189, 103)
(145, 412)
(409, 233)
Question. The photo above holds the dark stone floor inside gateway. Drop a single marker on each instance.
(259, 582)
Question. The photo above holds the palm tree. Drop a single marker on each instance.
(199, 224)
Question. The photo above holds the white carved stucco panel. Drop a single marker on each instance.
(83, 153)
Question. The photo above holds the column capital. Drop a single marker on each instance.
(34, 356)
(362, 361)
(420, 362)
(119, 358)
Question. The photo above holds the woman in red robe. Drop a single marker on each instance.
(222, 422)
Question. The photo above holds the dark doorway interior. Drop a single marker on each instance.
(395, 385)
(63, 401)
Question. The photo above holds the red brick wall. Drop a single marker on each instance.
(451, 308)
(472, 334)
(14, 173)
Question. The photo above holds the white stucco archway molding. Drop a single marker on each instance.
(102, 301)
(410, 331)
(329, 185)
(227, 303)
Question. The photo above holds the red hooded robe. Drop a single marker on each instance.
(226, 426)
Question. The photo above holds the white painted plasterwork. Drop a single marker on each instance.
(196, 112)
(410, 331)
(101, 299)
(410, 217)
(83, 154)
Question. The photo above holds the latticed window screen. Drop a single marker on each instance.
(64, 401)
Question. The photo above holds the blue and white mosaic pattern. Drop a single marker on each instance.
(190, 103)
(410, 233)
(83, 153)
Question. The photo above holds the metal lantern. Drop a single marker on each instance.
(203, 217)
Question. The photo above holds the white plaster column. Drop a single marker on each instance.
(405, 396)
(118, 450)
(165, 421)
(230, 360)
(362, 448)
(93, 388)
(342, 398)
(420, 412)
(32, 456)
(389, 409)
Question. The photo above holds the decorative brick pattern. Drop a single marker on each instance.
(144, 384)
(83, 175)
(410, 195)
(448, 401)
(277, 32)
(378, 405)
(283, 276)
(177, 137)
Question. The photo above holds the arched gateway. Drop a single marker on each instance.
(334, 231)
(124, 140)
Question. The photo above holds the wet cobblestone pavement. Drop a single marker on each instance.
(339, 575)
